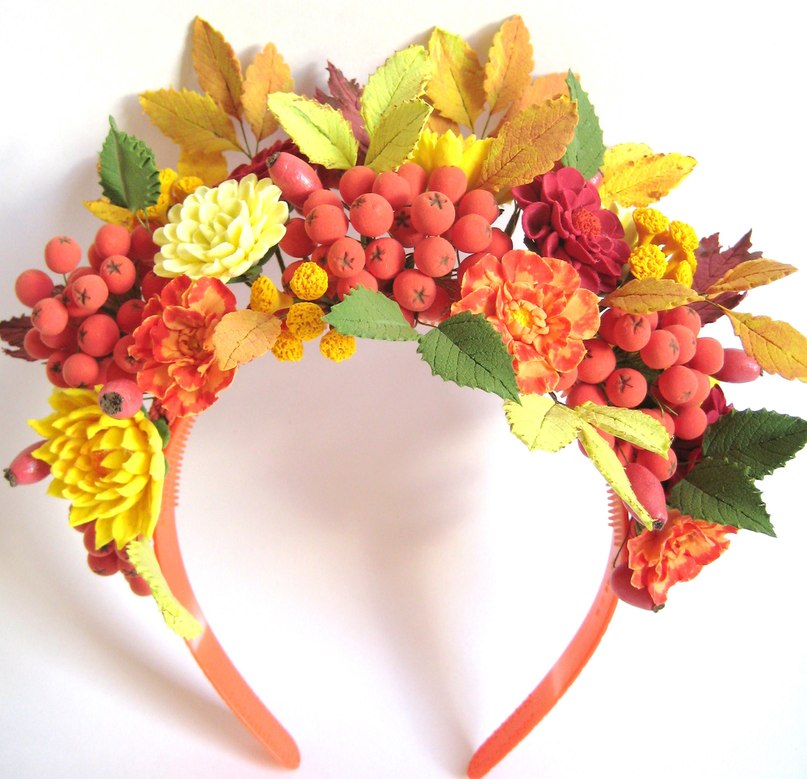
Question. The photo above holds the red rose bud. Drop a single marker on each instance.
(649, 491)
(25, 468)
(120, 398)
(295, 178)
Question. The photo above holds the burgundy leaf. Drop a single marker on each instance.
(346, 97)
(13, 331)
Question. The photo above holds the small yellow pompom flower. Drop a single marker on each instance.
(649, 223)
(264, 295)
(305, 321)
(309, 281)
(680, 271)
(437, 151)
(680, 235)
(337, 347)
(288, 347)
(647, 262)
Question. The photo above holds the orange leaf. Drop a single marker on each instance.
(643, 296)
(216, 66)
(268, 73)
(509, 65)
(439, 124)
(243, 335)
(640, 182)
(211, 167)
(777, 346)
(455, 88)
(750, 274)
(529, 145)
(543, 88)
(196, 122)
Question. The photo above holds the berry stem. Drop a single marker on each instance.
(511, 224)
(248, 152)
(280, 259)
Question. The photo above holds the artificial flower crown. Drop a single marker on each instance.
(375, 213)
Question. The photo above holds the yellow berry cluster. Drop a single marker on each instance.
(665, 249)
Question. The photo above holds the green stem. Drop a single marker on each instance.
(246, 139)
(280, 259)
(485, 128)
(511, 224)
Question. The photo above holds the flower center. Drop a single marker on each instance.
(586, 223)
(526, 321)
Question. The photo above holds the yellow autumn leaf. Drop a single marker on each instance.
(177, 617)
(440, 125)
(509, 65)
(529, 145)
(455, 88)
(243, 335)
(777, 346)
(321, 133)
(268, 73)
(107, 212)
(216, 66)
(547, 87)
(629, 424)
(644, 296)
(401, 79)
(608, 464)
(541, 423)
(623, 153)
(196, 122)
(210, 167)
(640, 182)
(750, 274)
(396, 135)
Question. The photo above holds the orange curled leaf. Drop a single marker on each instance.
(216, 66)
(777, 346)
(509, 65)
(268, 73)
(243, 335)
(644, 296)
(750, 274)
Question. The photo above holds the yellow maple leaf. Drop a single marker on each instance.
(644, 296)
(645, 180)
(777, 346)
(243, 335)
(509, 65)
(216, 66)
(456, 86)
(210, 167)
(749, 275)
(541, 89)
(529, 145)
(541, 423)
(268, 73)
(196, 122)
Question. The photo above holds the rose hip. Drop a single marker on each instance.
(293, 176)
(738, 367)
(25, 468)
(649, 492)
(120, 398)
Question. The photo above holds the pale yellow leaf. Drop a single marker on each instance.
(608, 464)
(750, 274)
(644, 296)
(243, 335)
(196, 122)
(177, 617)
(396, 135)
(629, 424)
(210, 167)
(439, 124)
(777, 346)
(401, 79)
(320, 132)
(268, 73)
(541, 423)
(529, 145)
(107, 212)
(509, 65)
(623, 153)
(455, 87)
(216, 66)
(547, 87)
(640, 182)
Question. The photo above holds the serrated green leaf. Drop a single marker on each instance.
(762, 441)
(586, 151)
(628, 424)
(541, 423)
(367, 314)
(129, 175)
(320, 132)
(608, 464)
(402, 78)
(397, 135)
(723, 492)
(467, 350)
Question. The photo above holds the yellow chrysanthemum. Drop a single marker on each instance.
(221, 232)
(436, 151)
(305, 321)
(111, 470)
(337, 347)
(309, 281)
(288, 347)
(647, 262)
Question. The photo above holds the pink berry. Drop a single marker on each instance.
(660, 351)
(384, 258)
(118, 273)
(582, 392)
(98, 334)
(626, 387)
(631, 332)
(120, 398)
(32, 286)
(49, 316)
(686, 342)
(690, 423)
(414, 290)
(112, 239)
(25, 468)
(677, 384)
(80, 370)
(738, 367)
(34, 346)
(598, 362)
(626, 592)
(62, 254)
(295, 178)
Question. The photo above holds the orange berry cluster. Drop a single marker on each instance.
(109, 560)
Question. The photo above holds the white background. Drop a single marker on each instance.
(391, 570)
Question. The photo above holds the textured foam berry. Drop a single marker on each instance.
(80, 370)
(49, 316)
(361, 279)
(450, 180)
(435, 256)
(356, 181)
(32, 286)
(626, 387)
(112, 239)
(326, 223)
(296, 242)
(371, 215)
(414, 290)
(394, 188)
(384, 258)
(62, 254)
(432, 213)
(471, 233)
(415, 176)
(345, 257)
(481, 202)
(98, 334)
(118, 273)
(598, 362)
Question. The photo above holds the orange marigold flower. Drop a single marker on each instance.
(676, 553)
(175, 344)
(540, 310)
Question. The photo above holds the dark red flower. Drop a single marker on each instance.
(564, 218)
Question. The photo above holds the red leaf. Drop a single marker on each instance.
(13, 331)
(346, 97)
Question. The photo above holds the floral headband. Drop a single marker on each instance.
(376, 215)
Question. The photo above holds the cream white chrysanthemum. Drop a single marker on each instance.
(221, 231)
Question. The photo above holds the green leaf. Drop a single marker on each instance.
(762, 441)
(586, 150)
(467, 350)
(629, 424)
(320, 132)
(129, 175)
(724, 492)
(367, 314)
(397, 135)
(400, 79)
(541, 423)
